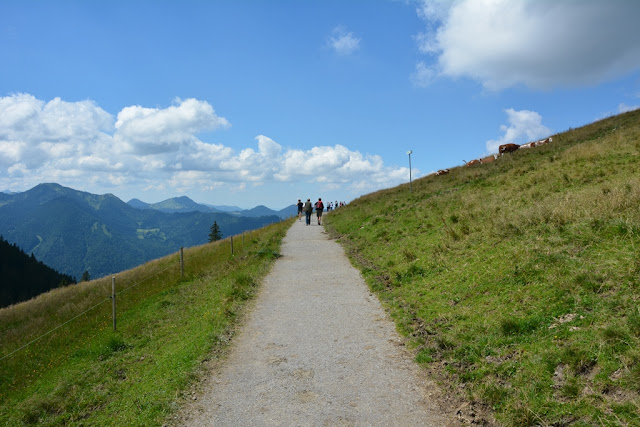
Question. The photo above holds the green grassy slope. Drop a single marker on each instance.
(85, 374)
(518, 281)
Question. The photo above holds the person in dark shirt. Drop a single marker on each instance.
(308, 209)
(300, 205)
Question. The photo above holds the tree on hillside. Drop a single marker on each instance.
(23, 277)
(215, 232)
(85, 276)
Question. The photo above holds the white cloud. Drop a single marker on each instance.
(523, 126)
(156, 149)
(153, 130)
(541, 44)
(268, 147)
(10, 152)
(423, 75)
(623, 108)
(36, 133)
(339, 166)
(343, 42)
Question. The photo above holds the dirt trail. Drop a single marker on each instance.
(316, 350)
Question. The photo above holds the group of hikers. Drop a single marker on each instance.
(308, 208)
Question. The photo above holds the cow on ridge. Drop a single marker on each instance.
(543, 141)
(508, 148)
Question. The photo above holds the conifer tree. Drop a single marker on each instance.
(215, 232)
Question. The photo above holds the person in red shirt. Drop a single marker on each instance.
(319, 209)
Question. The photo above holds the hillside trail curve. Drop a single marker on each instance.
(317, 349)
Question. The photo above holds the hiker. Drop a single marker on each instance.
(300, 204)
(319, 209)
(307, 211)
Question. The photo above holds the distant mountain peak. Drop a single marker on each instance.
(183, 199)
(224, 208)
(137, 203)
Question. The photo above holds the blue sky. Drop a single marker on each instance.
(254, 102)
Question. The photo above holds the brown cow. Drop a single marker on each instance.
(472, 162)
(543, 141)
(508, 148)
(442, 172)
(488, 159)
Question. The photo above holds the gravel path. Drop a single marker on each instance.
(317, 350)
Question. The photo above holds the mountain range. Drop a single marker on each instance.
(185, 204)
(74, 231)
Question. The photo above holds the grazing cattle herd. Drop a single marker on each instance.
(536, 143)
(504, 148)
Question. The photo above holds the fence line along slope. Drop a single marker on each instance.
(85, 373)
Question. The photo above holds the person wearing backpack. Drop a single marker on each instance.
(319, 209)
(308, 209)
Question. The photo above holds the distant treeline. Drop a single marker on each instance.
(22, 276)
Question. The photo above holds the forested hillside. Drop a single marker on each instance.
(74, 231)
(23, 277)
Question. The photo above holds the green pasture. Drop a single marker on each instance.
(518, 282)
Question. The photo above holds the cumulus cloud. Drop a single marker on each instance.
(337, 166)
(343, 42)
(154, 130)
(255, 166)
(75, 143)
(35, 133)
(540, 44)
(523, 126)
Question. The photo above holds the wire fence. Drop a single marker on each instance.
(114, 294)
